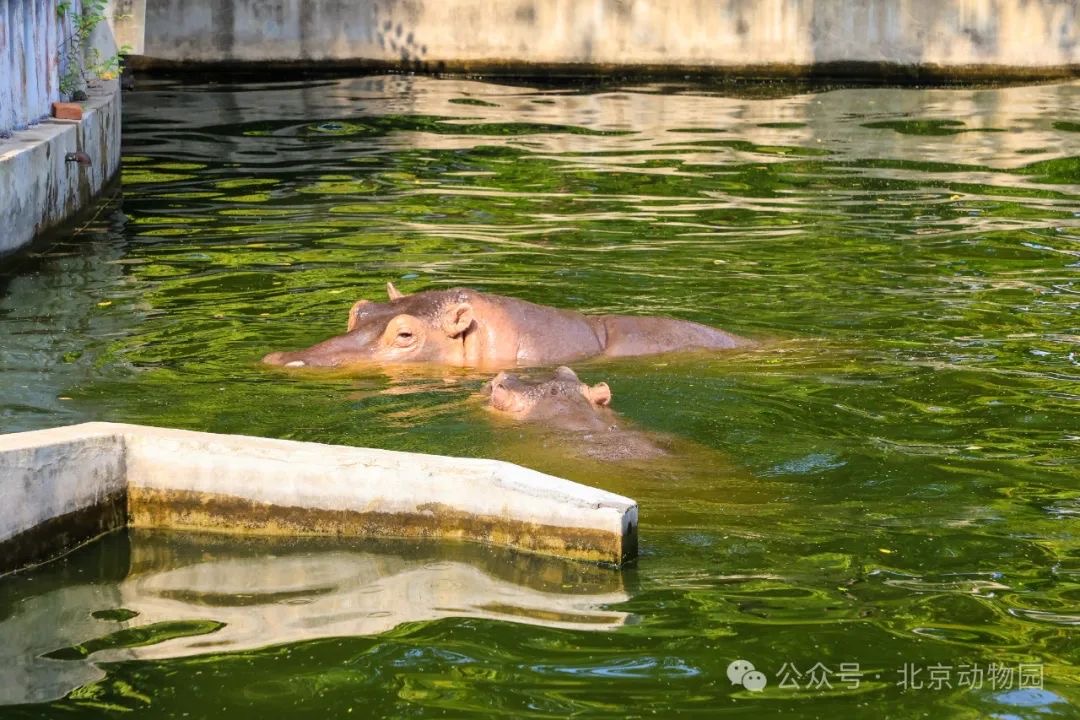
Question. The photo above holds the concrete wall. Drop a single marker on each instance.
(229, 483)
(785, 37)
(39, 188)
(30, 34)
(126, 20)
(35, 39)
(58, 487)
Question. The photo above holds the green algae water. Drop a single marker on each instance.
(878, 508)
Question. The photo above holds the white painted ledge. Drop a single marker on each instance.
(231, 483)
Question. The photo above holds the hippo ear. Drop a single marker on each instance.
(457, 319)
(354, 313)
(599, 394)
(393, 292)
(564, 373)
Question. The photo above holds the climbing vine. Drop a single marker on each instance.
(80, 63)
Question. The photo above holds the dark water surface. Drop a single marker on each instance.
(887, 491)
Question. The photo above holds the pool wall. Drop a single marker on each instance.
(39, 187)
(65, 485)
(917, 39)
(59, 487)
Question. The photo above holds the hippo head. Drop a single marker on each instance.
(425, 327)
(559, 401)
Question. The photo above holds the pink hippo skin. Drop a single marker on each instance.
(560, 404)
(466, 328)
(555, 423)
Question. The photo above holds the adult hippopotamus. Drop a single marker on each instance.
(467, 328)
(560, 404)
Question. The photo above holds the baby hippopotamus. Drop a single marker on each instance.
(563, 404)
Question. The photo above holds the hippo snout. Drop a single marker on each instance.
(281, 359)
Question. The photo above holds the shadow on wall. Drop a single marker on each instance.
(705, 33)
(393, 36)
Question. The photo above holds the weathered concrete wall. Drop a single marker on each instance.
(1025, 37)
(59, 487)
(192, 481)
(39, 187)
(229, 483)
(30, 36)
(126, 19)
(36, 48)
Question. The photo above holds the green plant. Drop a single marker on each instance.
(80, 64)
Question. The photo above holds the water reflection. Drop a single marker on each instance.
(974, 130)
(183, 595)
(893, 479)
(66, 286)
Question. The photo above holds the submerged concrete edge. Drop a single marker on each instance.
(39, 187)
(68, 485)
(855, 71)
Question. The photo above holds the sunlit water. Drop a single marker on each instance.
(889, 487)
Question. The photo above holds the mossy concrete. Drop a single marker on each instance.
(63, 486)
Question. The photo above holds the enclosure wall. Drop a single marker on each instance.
(772, 37)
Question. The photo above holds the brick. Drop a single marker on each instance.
(67, 111)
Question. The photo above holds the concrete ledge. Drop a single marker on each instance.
(39, 187)
(56, 479)
(60, 487)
